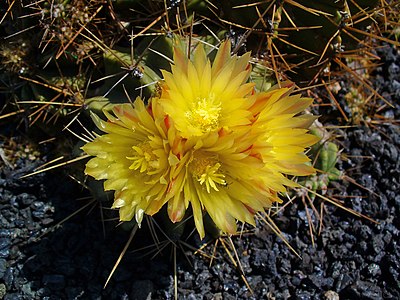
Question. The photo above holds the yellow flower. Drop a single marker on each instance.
(203, 98)
(233, 176)
(134, 157)
(210, 141)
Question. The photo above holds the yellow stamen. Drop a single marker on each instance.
(205, 114)
(205, 169)
(210, 177)
(144, 159)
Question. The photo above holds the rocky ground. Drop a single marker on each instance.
(353, 258)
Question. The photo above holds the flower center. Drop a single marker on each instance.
(205, 114)
(206, 169)
(144, 158)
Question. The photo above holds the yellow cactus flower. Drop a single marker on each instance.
(134, 157)
(203, 98)
(209, 141)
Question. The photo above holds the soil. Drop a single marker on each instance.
(352, 257)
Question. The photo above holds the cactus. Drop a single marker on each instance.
(126, 77)
(72, 50)
(45, 56)
(306, 35)
(94, 55)
(325, 155)
(68, 55)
